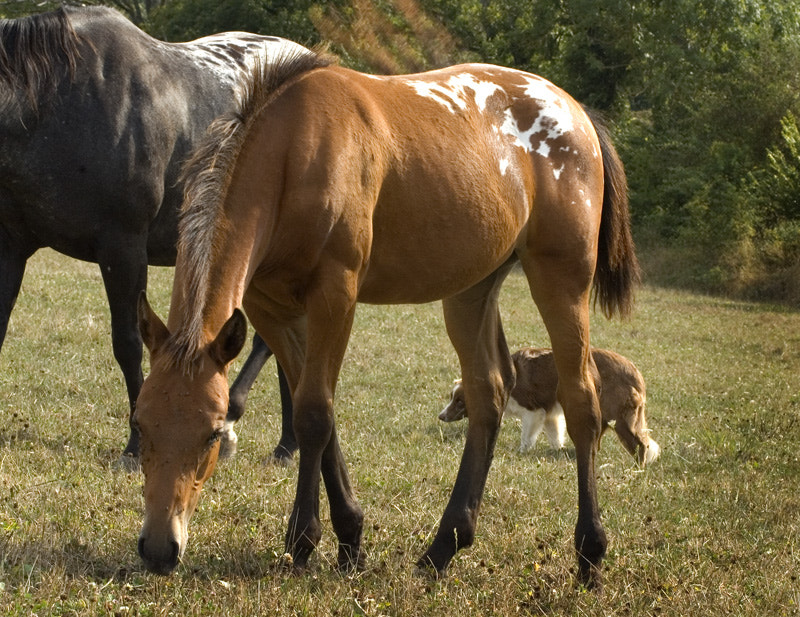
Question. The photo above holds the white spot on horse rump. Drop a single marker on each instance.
(504, 164)
(553, 120)
(453, 93)
(557, 172)
(523, 138)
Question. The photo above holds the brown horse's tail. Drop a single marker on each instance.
(617, 273)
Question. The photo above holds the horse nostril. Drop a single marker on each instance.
(164, 563)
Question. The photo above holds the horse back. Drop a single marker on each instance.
(91, 153)
(451, 159)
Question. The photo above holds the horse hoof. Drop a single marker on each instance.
(351, 559)
(128, 463)
(591, 579)
(282, 456)
(426, 568)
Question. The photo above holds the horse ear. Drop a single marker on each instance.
(151, 328)
(230, 340)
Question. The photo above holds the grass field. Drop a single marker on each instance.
(710, 529)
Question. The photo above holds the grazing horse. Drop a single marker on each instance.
(97, 118)
(330, 187)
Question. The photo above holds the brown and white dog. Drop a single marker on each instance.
(620, 387)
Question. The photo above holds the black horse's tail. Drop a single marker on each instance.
(617, 273)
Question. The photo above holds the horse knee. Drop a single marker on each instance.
(312, 423)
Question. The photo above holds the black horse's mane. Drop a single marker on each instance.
(35, 50)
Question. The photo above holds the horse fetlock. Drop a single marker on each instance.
(590, 548)
(229, 440)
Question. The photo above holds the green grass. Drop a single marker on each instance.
(711, 528)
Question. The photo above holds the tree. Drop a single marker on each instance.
(137, 10)
(182, 20)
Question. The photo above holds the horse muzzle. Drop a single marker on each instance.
(162, 552)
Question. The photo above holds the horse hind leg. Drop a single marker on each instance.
(564, 306)
(473, 324)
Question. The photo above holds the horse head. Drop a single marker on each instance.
(180, 414)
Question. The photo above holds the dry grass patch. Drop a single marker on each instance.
(710, 528)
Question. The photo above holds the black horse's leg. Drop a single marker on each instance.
(258, 357)
(12, 269)
(287, 445)
(238, 398)
(125, 276)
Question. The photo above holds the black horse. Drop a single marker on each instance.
(96, 118)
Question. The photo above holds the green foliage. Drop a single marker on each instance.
(701, 95)
(183, 20)
(775, 187)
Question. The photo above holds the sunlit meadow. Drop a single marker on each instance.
(711, 528)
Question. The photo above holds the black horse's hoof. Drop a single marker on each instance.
(129, 463)
(283, 456)
(426, 567)
(351, 559)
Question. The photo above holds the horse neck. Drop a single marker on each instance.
(221, 247)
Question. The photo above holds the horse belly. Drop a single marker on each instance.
(425, 250)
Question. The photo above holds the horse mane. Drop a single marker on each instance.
(34, 50)
(206, 177)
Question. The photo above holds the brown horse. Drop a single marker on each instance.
(331, 187)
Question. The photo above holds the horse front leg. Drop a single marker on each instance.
(124, 275)
(13, 262)
(311, 352)
(473, 324)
